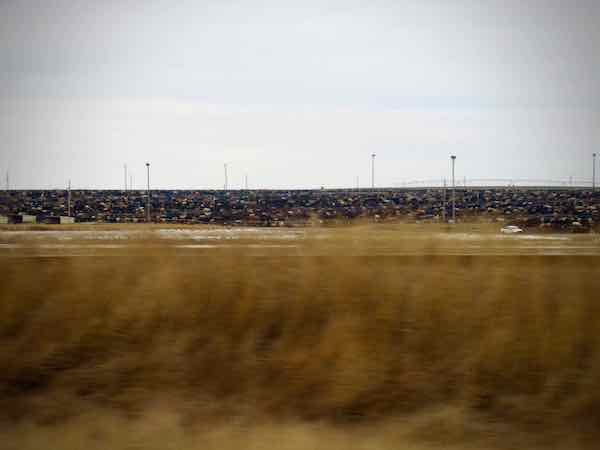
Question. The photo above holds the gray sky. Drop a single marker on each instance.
(296, 94)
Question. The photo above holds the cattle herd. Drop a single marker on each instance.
(565, 209)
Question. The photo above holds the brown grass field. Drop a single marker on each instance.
(360, 338)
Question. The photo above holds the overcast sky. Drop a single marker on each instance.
(296, 94)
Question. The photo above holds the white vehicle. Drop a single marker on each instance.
(511, 229)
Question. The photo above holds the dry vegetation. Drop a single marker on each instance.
(231, 350)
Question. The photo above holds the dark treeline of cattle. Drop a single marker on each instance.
(557, 209)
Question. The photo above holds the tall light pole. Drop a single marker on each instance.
(125, 168)
(148, 193)
(373, 171)
(225, 185)
(593, 172)
(69, 199)
(453, 158)
(246, 181)
(444, 210)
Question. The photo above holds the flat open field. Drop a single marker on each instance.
(374, 336)
(365, 240)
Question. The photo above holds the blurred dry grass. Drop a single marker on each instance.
(429, 349)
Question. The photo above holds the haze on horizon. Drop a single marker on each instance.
(296, 94)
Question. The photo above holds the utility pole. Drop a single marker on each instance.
(69, 199)
(225, 185)
(246, 181)
(453, 157)
(130, 181)
(148, 193)
(125, 167)
(373, 171)
(7, 181)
